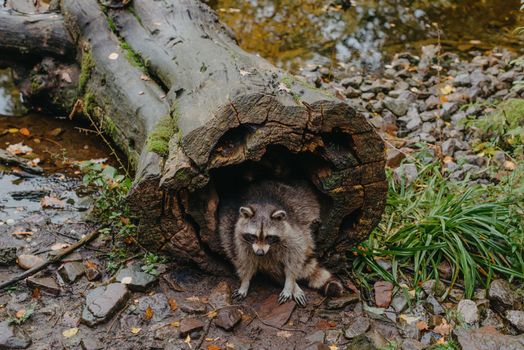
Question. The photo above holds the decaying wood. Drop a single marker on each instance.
(199, 117)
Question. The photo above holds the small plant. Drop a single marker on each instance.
(151, 263)
(23, 315)
(475, 228)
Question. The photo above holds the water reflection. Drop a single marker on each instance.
(10, 103)
(294, 32)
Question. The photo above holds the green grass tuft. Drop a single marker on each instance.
(477, 229)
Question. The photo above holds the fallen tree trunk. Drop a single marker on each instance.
(199, 117)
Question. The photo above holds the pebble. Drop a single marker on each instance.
(28, 261)
(502, 296)
(135, 279)
(45, 284)
(516, 318)
(71, 271)
(383, 293)
(468, 311)
(103, 302)
(12, 337)
(228, 317)
(189, 325)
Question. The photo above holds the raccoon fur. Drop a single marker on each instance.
(269, 229)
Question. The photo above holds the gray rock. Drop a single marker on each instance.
(351, 92)
(228, 317)
(448, 147)
(28, 261)
(508, 76)
(12, 337)
(516, 318)
(462, 79)
(354, 82)
(432, 102)
(398, 107)
(433, 306)
(158, 304)
(394, 157)
(412, 344)
(220, 296)
(499, 157)
(189, 325)
(135, 279)
(448, 109)
(7, 256)
(406, 172)
(45, 284)
(479, 79)
(428, 116)
(399, 302)
(468, 311)
(103, 302)
(342, 302)
(492, 319)
(71, 271)
(502, 296)
(428, 127)
(487, 338)
(458, 119)
(381, 85)
(91, 343)
(316, 337)
(368, 96)
(429, 53)
(358, 326)
(333, 335)
(414, 122)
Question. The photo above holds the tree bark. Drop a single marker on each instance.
(199, 118)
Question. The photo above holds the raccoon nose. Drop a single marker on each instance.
(260, 252)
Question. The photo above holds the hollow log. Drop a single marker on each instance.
(200, 118)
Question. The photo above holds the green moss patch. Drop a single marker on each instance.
(87, 66)
(158, 140)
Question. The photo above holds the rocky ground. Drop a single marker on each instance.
(80, 305)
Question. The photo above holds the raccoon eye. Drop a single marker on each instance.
(249, 238)
(273, 239)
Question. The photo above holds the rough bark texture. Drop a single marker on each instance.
(199, 117)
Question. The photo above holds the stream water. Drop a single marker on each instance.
(293, 33)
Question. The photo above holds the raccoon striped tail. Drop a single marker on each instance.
(321, 279)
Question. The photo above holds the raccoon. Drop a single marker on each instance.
(269, 229)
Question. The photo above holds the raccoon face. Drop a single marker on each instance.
(261, 227)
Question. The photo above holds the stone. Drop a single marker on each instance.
(516, 318)
(502, 296)
(12, 337)
(7, 256)
(228, 317)
(28, 261)
(316, 337)
(414, 122)
(362, 342)
(380, 85)
(351, 92)
(342, 302)
(158, 304)
(135, 279)
(383, 293)
(317, 346)
(479, 79)
(429, 52)
(462, 79)
(358, 326)
(71, 271)
(91, 343)
(492, 319)
(468, 311)
(220, 296)
(433, 306)
(103, 302)
(333, 336)
(354, 82)
(406, 173)
(412, 344)
(399, 107)
(394, 157)
(273, 313)
(93, 273)
(487, 338)
(45, 284)
(189, 325)
(399, 301)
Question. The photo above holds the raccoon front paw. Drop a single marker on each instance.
(284, 296)
(300, 297)
(239, 294)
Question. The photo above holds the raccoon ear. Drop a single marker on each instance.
(279, 215)
(246, 212)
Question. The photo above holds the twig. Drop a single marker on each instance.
(92, 235)
(173, 285)
(204, 334)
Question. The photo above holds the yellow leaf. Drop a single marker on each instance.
(212, 314)
(135, 330)
(71, 332)
(188, 341)
(13, 130)
(446, 90)
(149, 313)
(175, 324)
(333, 347)
(20, 313)
(193, 298)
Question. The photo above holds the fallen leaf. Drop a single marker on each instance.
(127, 280)
(52, 202)
(24, 131)
(284, 334)
(20, 313)
(36, 293)
(149, 313)
(19, 148)
(443, 329)
(175, 324)
(22, 233)
(12, 130)
(59, 246)
(113, 56)
(66, 77)
(213, 347)
(333, 347)
(71, 332)
(55, 132)
(446, 90)
(188, 341)
(212, 314)
(91, 265)
(172, 304)
(135, 330)
(422, 325)
(145, 77)
(509, 165)
(193, 298)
